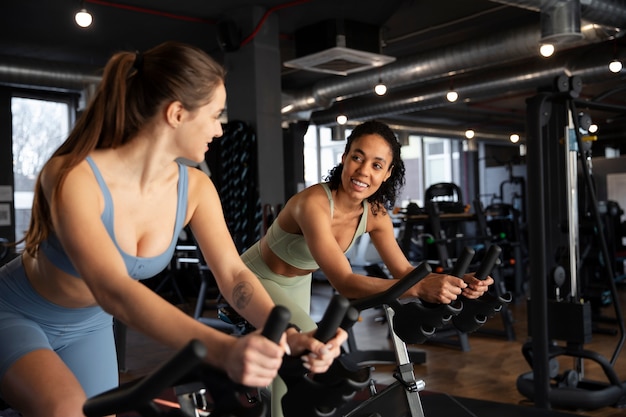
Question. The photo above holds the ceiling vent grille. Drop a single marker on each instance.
(339, 61)
(338, 47)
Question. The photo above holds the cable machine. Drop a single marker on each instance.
(556, 311)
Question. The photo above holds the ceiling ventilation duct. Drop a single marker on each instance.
(560, 21)
(339, 47)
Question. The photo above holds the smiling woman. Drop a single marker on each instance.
(320, 224)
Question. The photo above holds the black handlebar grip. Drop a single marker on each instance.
(407, 281)
(123, 399)
(276, 323)
(351, 317)
(488, 262)
(462, 262)
(400, 287)
(332, 319)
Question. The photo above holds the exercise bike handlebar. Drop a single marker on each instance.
(276, 323)
(488, 262)
(333, 318)
(126, 398)
(477, 311)
(132, 396)
(395, 291)
(462, 262)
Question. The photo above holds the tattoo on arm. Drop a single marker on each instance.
(242, 294)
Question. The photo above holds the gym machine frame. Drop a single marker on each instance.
(552, 174)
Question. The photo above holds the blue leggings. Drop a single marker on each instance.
(82, 337)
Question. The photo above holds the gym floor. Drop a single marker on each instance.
(479, 382)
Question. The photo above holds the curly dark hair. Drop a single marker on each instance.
(385, 196)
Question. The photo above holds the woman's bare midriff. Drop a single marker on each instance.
(56, 286)
(277, 265)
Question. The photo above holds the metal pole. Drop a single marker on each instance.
(571, 164)
(538, 115)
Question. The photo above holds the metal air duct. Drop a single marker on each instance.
(487, 84)
(22, 72)
(507, 47)
(608, 13)
(560, 22)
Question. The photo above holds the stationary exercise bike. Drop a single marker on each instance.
(202, 389)
(322, 395)
(413, 321)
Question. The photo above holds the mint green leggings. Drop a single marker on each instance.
(291, 292)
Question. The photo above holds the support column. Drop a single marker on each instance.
(469, 171)
(293, 150)
(253, 89)
(469, 181)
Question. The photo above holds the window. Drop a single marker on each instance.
(437, 161)
(413, 190)
(39, 127)
(321, 153)
(311, 156)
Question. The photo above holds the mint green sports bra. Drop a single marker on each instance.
(292, 248)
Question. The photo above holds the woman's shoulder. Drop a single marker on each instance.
(310, 203)
(311, 196)
(378, 218)
(53, 168)
(200, 187)
(314, 192)
(197, 177)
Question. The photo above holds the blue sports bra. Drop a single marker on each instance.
(137, 267)
(292, 248)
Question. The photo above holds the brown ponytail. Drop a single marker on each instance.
(128, 96)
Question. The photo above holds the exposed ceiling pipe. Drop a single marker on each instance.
(451, 133)
(590, 68)
(609, 13)
(22, 72)
(425, 66)
(507, 47)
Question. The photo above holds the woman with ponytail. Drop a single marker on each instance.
(109, 206)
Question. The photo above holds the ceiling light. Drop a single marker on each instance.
(380, 88)
(514, 138)
(452, 96)
(546, 50)
(342, 119)
(469, 133)
(82, 17)
(615, 66)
